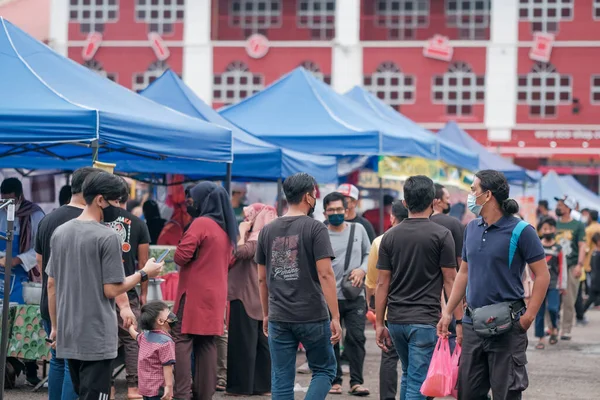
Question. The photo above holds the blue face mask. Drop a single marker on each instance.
(472, 204)
(336, 219)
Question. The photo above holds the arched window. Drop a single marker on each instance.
(160, 15)
(318, 16)
(459, 89)
(471, 17)
(143, 79)
(391, 85)
(97, 67)
(236, 83)
(543, 89)
(545, 15)
(316, 71)
(402, 17)
(255, 15)
(91, 15)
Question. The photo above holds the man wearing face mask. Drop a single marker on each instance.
(135, 244)
(238, 200)
(351, 194)
(81, 300)
(497, 246)
(571, 236)
(351, 247)
(441, 209)
(299, 302)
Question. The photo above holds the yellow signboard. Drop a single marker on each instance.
(400, 168)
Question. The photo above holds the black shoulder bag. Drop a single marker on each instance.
(350, 292)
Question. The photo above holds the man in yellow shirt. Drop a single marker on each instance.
(388, 370)
(592, 228)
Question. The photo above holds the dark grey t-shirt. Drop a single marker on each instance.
(85, 256)
(290, 247)
(414, 251)
(456, 229)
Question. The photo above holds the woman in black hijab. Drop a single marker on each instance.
(203, 255)
(153, 220)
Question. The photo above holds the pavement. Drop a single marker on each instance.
(568, 370)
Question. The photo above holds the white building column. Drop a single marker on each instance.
(347, 64)
(198, 51)
(501, 70)
(59, 26)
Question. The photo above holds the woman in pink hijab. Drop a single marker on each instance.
(248, 359)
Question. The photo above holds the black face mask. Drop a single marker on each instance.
(559, 212)
(192, 211)
(549, 236)
(110, 213)
(447, 209)
(172, 320)
(312, 208)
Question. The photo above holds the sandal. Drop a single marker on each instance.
(553, 339)
(221, 386)
(358, 390)
(540, 346)
(336, 389)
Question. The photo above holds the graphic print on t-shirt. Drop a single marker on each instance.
(565, 239)
(284, 258)
(122, 226)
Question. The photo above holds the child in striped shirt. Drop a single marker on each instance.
(157, 351)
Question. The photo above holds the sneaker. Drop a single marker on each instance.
(582, 322)
(303, 369)
(33, 381)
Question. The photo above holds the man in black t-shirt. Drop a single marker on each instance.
(59, 378)
(135, 243)
(298, 291)
(441, 209)
(416, 259)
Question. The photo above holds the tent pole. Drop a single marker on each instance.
(228, 179)
(381, 215)
(279, 197)
(94, 146)
(10, 221)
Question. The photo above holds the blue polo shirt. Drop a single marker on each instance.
(495, 265)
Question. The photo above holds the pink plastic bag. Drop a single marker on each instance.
(439, 376)
(455, 360)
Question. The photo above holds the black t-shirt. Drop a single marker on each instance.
(133, 232)
(415, 251)
(368, 227)
(290, 247)
(42, 245)
(456, 229)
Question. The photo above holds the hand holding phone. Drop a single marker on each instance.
(162, 256)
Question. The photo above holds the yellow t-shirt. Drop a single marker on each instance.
(372, 272)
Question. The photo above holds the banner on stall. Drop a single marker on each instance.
(400, 168)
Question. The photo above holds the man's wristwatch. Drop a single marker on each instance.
(144, 275)
(458, 322)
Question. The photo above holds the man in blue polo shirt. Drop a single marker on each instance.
(496, 248)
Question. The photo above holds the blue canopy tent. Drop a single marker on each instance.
(448, 152)
(301, 113)
(55, 112)
(488, 160)
(253, 158)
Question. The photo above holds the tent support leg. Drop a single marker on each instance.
(381, 215)
(279, 197)
(94, 146)
(228, 179)
(6, 301)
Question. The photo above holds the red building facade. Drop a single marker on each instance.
(551, 107)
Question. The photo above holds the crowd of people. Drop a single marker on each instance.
(254, 288)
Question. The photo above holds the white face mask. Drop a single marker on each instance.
(472, 204)
(584, 219)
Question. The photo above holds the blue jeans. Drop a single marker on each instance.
(552, 303)
(415, 344)
(284, 339)
(60, 386)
